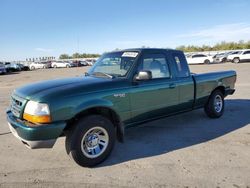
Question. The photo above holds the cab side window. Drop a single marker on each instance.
(157, 64)
(181, 65)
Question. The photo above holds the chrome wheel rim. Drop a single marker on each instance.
(94, 142)
(218, 103)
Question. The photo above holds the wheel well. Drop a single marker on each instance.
(103, 111)
(221, 88)
(236, 58)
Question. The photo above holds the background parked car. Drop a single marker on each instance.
(12, 67)
(199, 59)
(84, 63)
(76, 63)
(23, 67)
(241, 56)
(38, 65)
(47, 63)
(65, 64)
(220, 58)
(2, 68)
(90, 62)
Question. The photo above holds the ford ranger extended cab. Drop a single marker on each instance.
(122, 89)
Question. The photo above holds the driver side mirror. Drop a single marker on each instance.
(143, 75)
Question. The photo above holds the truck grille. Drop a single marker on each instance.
(17, 105)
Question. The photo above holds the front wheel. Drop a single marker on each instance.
(236, 60)
(214, 107)
(91, 140)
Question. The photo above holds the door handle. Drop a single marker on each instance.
(172, 86)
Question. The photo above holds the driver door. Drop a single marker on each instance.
(155, 97)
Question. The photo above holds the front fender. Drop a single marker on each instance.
(93, 103)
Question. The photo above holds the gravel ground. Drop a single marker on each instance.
(188, 150)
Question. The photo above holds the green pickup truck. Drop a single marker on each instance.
(123, 89)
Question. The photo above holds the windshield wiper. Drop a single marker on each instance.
(103, 74)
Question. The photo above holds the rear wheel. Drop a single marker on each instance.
(91, 140)
(207, 61)
(54, 66)
(67, 66)
(215, 105)
(32, 68)
(236, 60)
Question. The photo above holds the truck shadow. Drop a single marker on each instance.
(177, 132)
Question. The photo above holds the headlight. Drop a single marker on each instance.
(37, 112)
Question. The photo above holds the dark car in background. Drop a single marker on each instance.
(76, 63)
(84, 63)
(12, 67)
(2, 68)
(23, 67)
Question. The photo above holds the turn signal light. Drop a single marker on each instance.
(37, 119)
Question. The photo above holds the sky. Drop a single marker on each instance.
(37, 28)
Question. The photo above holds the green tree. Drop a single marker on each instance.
(76, 55)
(219, 46)
(64, 56)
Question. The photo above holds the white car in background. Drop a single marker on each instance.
(199, 59)
(61, 64)
(38, 65)
(241, 56)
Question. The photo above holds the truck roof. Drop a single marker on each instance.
(148, 49)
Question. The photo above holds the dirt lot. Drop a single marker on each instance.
(188, 150)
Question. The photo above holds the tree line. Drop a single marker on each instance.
(78, 55)
(217, 47)
(190, 48)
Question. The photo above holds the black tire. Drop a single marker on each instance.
(32, 68)
(213, 109)
(76, 140)
(54, 66)
(207, 61)
(67, 66)
(236, 60)
(224, 60)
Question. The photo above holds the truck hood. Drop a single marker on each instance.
(41, 89)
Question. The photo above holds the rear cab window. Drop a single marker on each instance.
(181, 65)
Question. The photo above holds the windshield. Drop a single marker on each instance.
(115, 64)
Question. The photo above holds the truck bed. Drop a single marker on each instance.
(207, 82)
